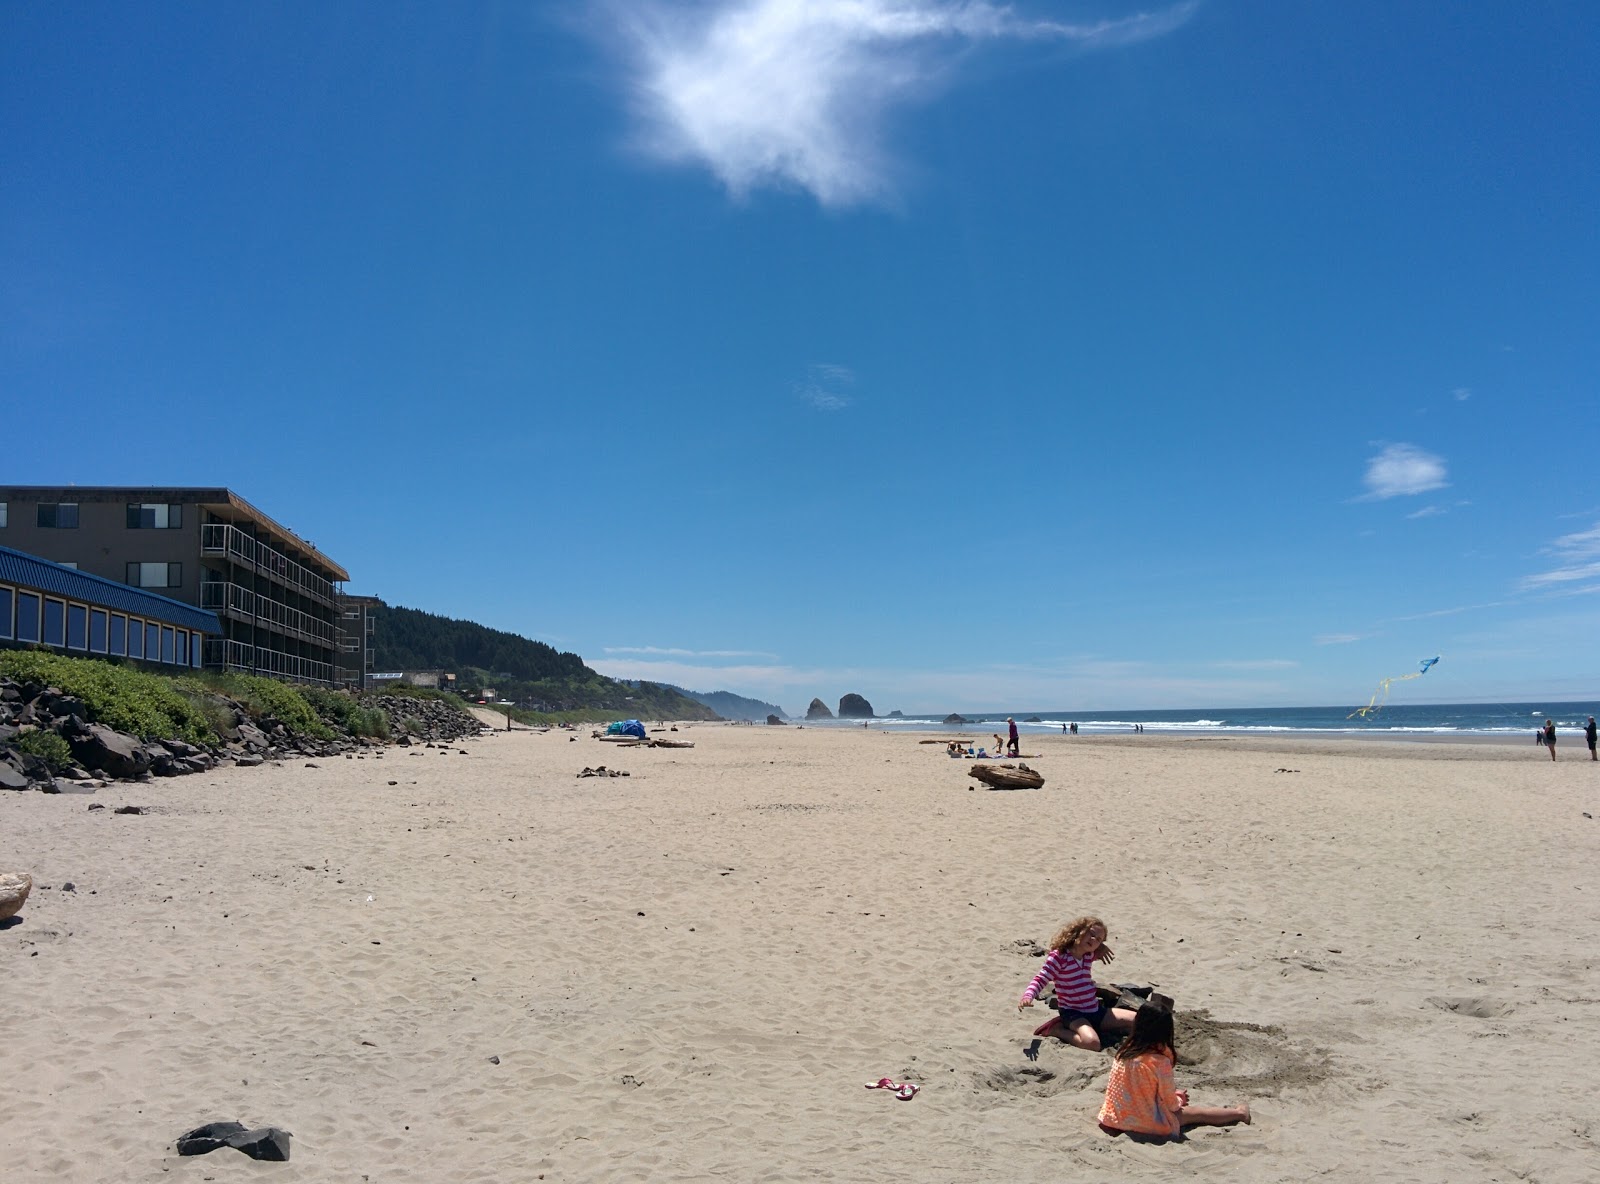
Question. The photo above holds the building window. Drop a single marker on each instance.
(2, 513)
(77, 627)
(97, 630)
(155, 575)
(168, 645)
(119, 634)
(27, 616)
(182, 658)
(135, 638)
(6, 597)
(58, 515)
(55, 622)
(154, 516)
(152, 642)
(194, 650)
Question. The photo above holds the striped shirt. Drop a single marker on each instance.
(1074, 983)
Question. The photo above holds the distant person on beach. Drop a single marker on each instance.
(1081, 1019)
(1140, 1096)
(1013, 744)
(1074, 727)
(1550, 738)
(1590, 735)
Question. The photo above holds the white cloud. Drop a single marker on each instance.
(1577, 557)
(1403, 469)
(660, 651)
(822, 384)
(1426, 512)
(1462, 393)
(795, 93)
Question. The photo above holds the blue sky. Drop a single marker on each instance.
(1226, 353)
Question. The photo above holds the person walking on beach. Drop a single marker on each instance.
(1140, 1096)
(1550, 738)
(1081, 1019)
(1590, 735)
(1013, 743)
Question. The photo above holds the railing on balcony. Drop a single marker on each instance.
(258, 659)
(219, 538)
(241, 602)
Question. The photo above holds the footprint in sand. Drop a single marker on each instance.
(1476, 1006)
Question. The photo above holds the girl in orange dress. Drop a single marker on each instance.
(1140, 1097)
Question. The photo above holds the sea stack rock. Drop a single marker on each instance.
(953, 718)
(896, 714)
(818, 710)
(855, 707)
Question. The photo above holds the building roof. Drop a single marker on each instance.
(188, 495)
(35, 574)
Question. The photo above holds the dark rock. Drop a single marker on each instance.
(818, 710)
(12, 777)
(953, 718)
(129, 810)
(774, 721)
(896, 714)
(854, 706)
(110, 751)
(62, 785)
(264, 1143)
(1033, 719)
(251, 760)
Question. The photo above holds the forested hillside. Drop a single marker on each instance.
(529, 673)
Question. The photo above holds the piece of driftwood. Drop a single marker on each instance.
(672, 744)
(1006, 776)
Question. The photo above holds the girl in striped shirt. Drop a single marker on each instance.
(1081, 1019)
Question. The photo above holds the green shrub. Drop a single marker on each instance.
(267, 697)
(121, 697)
(47, 746)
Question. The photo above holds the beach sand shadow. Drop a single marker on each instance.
(1257, 1059)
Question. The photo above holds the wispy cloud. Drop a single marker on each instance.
(1257, 664)
(824, 386)
(1427, 512)
(796, 93)
(1403, 469)
(1338, 638)
(1576, 557)
(1462, 393)
(664, 652)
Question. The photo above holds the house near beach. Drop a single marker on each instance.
(276, 599)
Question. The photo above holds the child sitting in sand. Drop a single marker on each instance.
(1140, 1097)
(1081, 1019)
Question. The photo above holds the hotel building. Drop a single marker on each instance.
(276, 597)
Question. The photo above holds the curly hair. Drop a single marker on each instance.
(1067, 936)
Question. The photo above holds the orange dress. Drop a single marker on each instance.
(1140, 1097)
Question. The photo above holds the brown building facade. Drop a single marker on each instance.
(277, 597)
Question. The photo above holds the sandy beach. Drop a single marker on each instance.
(468, 964)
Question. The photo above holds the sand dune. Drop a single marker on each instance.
(689, 973)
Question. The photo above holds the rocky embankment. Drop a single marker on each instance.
(99, 754)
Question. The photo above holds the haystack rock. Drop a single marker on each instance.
(818, 710)
(853, 706)
(14, 889)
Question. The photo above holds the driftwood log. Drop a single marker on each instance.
(1006, 776)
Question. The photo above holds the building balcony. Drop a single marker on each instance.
(219, 538)
(242, 604)
(227, 654)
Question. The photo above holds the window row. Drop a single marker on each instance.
(32, 618)
(141, 515)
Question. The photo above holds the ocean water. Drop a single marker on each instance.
(1395, 720)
